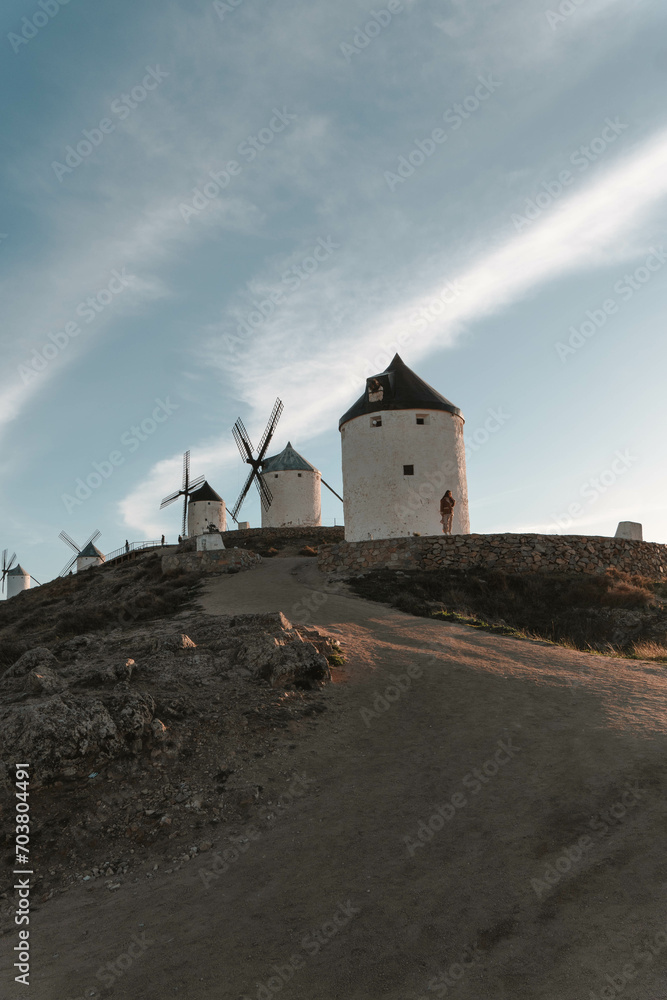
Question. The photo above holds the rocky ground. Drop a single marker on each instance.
(459, 813)
(142, 738)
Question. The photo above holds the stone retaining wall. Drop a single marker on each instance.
(213, 561)
(512, 553)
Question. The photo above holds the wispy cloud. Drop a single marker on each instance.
(594, 227)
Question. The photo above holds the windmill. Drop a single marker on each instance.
(88, 549)
(6, 566)
(17, 578)
(246, 449)
(186, 489)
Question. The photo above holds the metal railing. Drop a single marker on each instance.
(132, 547)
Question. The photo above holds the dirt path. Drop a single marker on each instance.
(340, 898)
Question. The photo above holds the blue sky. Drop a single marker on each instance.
(485, 180)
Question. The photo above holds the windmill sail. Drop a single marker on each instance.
(6, 566)
(247, 453)
(87, 549)
(186, 489)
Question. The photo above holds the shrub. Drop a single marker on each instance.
(568, 608)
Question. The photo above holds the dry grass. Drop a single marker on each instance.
(648, 650)
(100, 599)
(576, 610)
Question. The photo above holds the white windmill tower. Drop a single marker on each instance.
(85, 557)
(295, 486)
(402, 448)
(206, 511)
(17, 578)
(289, 486)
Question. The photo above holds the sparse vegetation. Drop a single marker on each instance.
(648, 650)
(96, 600)
(611, 612)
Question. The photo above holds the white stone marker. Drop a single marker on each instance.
(629, 529)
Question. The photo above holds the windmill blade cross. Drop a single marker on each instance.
(186, 489)
(246, 450)
(6, 566)
(70, 541)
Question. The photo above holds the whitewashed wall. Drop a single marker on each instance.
(201, 513)
(15, 584)
(382, 502)
(297, 499)
(85, 562)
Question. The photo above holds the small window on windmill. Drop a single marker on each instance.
(376, 421)
(299, 475)
(375, 391)
(408, 470)
(423, 418)
(275, 475)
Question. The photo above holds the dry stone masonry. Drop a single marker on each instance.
(211, 561)
(515, 553)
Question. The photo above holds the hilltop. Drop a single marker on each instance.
(427, 809)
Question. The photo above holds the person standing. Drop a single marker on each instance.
(447, 505)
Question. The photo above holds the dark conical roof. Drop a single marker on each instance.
(205, 492)
(401, 390)
(286, 461)
(91, 550)
(17, 571)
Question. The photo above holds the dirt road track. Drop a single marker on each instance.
(580, 728)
